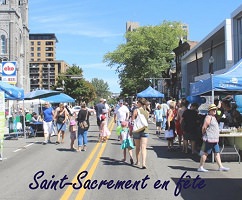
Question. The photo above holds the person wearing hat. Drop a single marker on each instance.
(210, 131)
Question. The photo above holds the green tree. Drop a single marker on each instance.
(101, 88)
(148, 53)
(75, 85)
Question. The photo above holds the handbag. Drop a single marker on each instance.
(169, 133)
(140, 123)
(84, 124)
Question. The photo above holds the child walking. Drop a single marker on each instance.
(104, 132)
(126, 141)
(73, 129)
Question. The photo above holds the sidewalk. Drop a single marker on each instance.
(230, 161)
(14, 142)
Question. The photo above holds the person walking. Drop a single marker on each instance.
(141, 138)
(179, 128)
(83, 116)
(61, 117)
(73, 129)
(126, 142)
(165, 108)
(48, 114)
(210, 131)
(99, 107)
(190, 120)
(121, 113)
(158, 119)
(104, 132)
(170, 124)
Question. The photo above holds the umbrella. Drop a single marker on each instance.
(11, 92)
(37, 94)
(59, 98)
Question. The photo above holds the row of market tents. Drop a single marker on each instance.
(228, 83)
(15, 93)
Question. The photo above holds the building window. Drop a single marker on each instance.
(38, 49)
(32, 48)
(38, 54)
(239, 39)
(32, 54)
(3, 45)
(32, 43)
(38, 42)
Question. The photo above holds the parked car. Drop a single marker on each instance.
(76, 109)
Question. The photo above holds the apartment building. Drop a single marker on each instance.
(214, 54)
(44, 69)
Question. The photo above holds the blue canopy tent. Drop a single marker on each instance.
(150, 93)
(59, 98)
(11, 92)
(229, 82)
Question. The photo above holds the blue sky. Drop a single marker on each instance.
(88, 29)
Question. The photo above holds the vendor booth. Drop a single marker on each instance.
(150, 93)
(228, 83)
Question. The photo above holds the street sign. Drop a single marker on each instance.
(9, 72)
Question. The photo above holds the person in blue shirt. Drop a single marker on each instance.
(48, 114)
(158, 116)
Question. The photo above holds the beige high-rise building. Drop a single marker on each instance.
(44, 68)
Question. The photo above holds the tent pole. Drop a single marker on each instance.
(212, 96)
(212, 87)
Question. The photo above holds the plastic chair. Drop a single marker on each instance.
(18, 128)
(28, 118)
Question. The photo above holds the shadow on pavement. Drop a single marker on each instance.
(162, 152)
(215, 188)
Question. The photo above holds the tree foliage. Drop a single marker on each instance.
(78, 88)
(101, 88)
(147, 53)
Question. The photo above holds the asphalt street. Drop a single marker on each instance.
(29, 169)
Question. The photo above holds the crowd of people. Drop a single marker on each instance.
(178, 120)
(199, 131)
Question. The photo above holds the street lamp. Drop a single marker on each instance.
(48, 66)
(211, 61)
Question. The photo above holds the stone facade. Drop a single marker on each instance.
(14, 35)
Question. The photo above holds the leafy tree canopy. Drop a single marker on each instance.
(101, 88)
(147, 53)
(75, 85)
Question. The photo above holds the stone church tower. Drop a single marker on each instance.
(14, 38)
